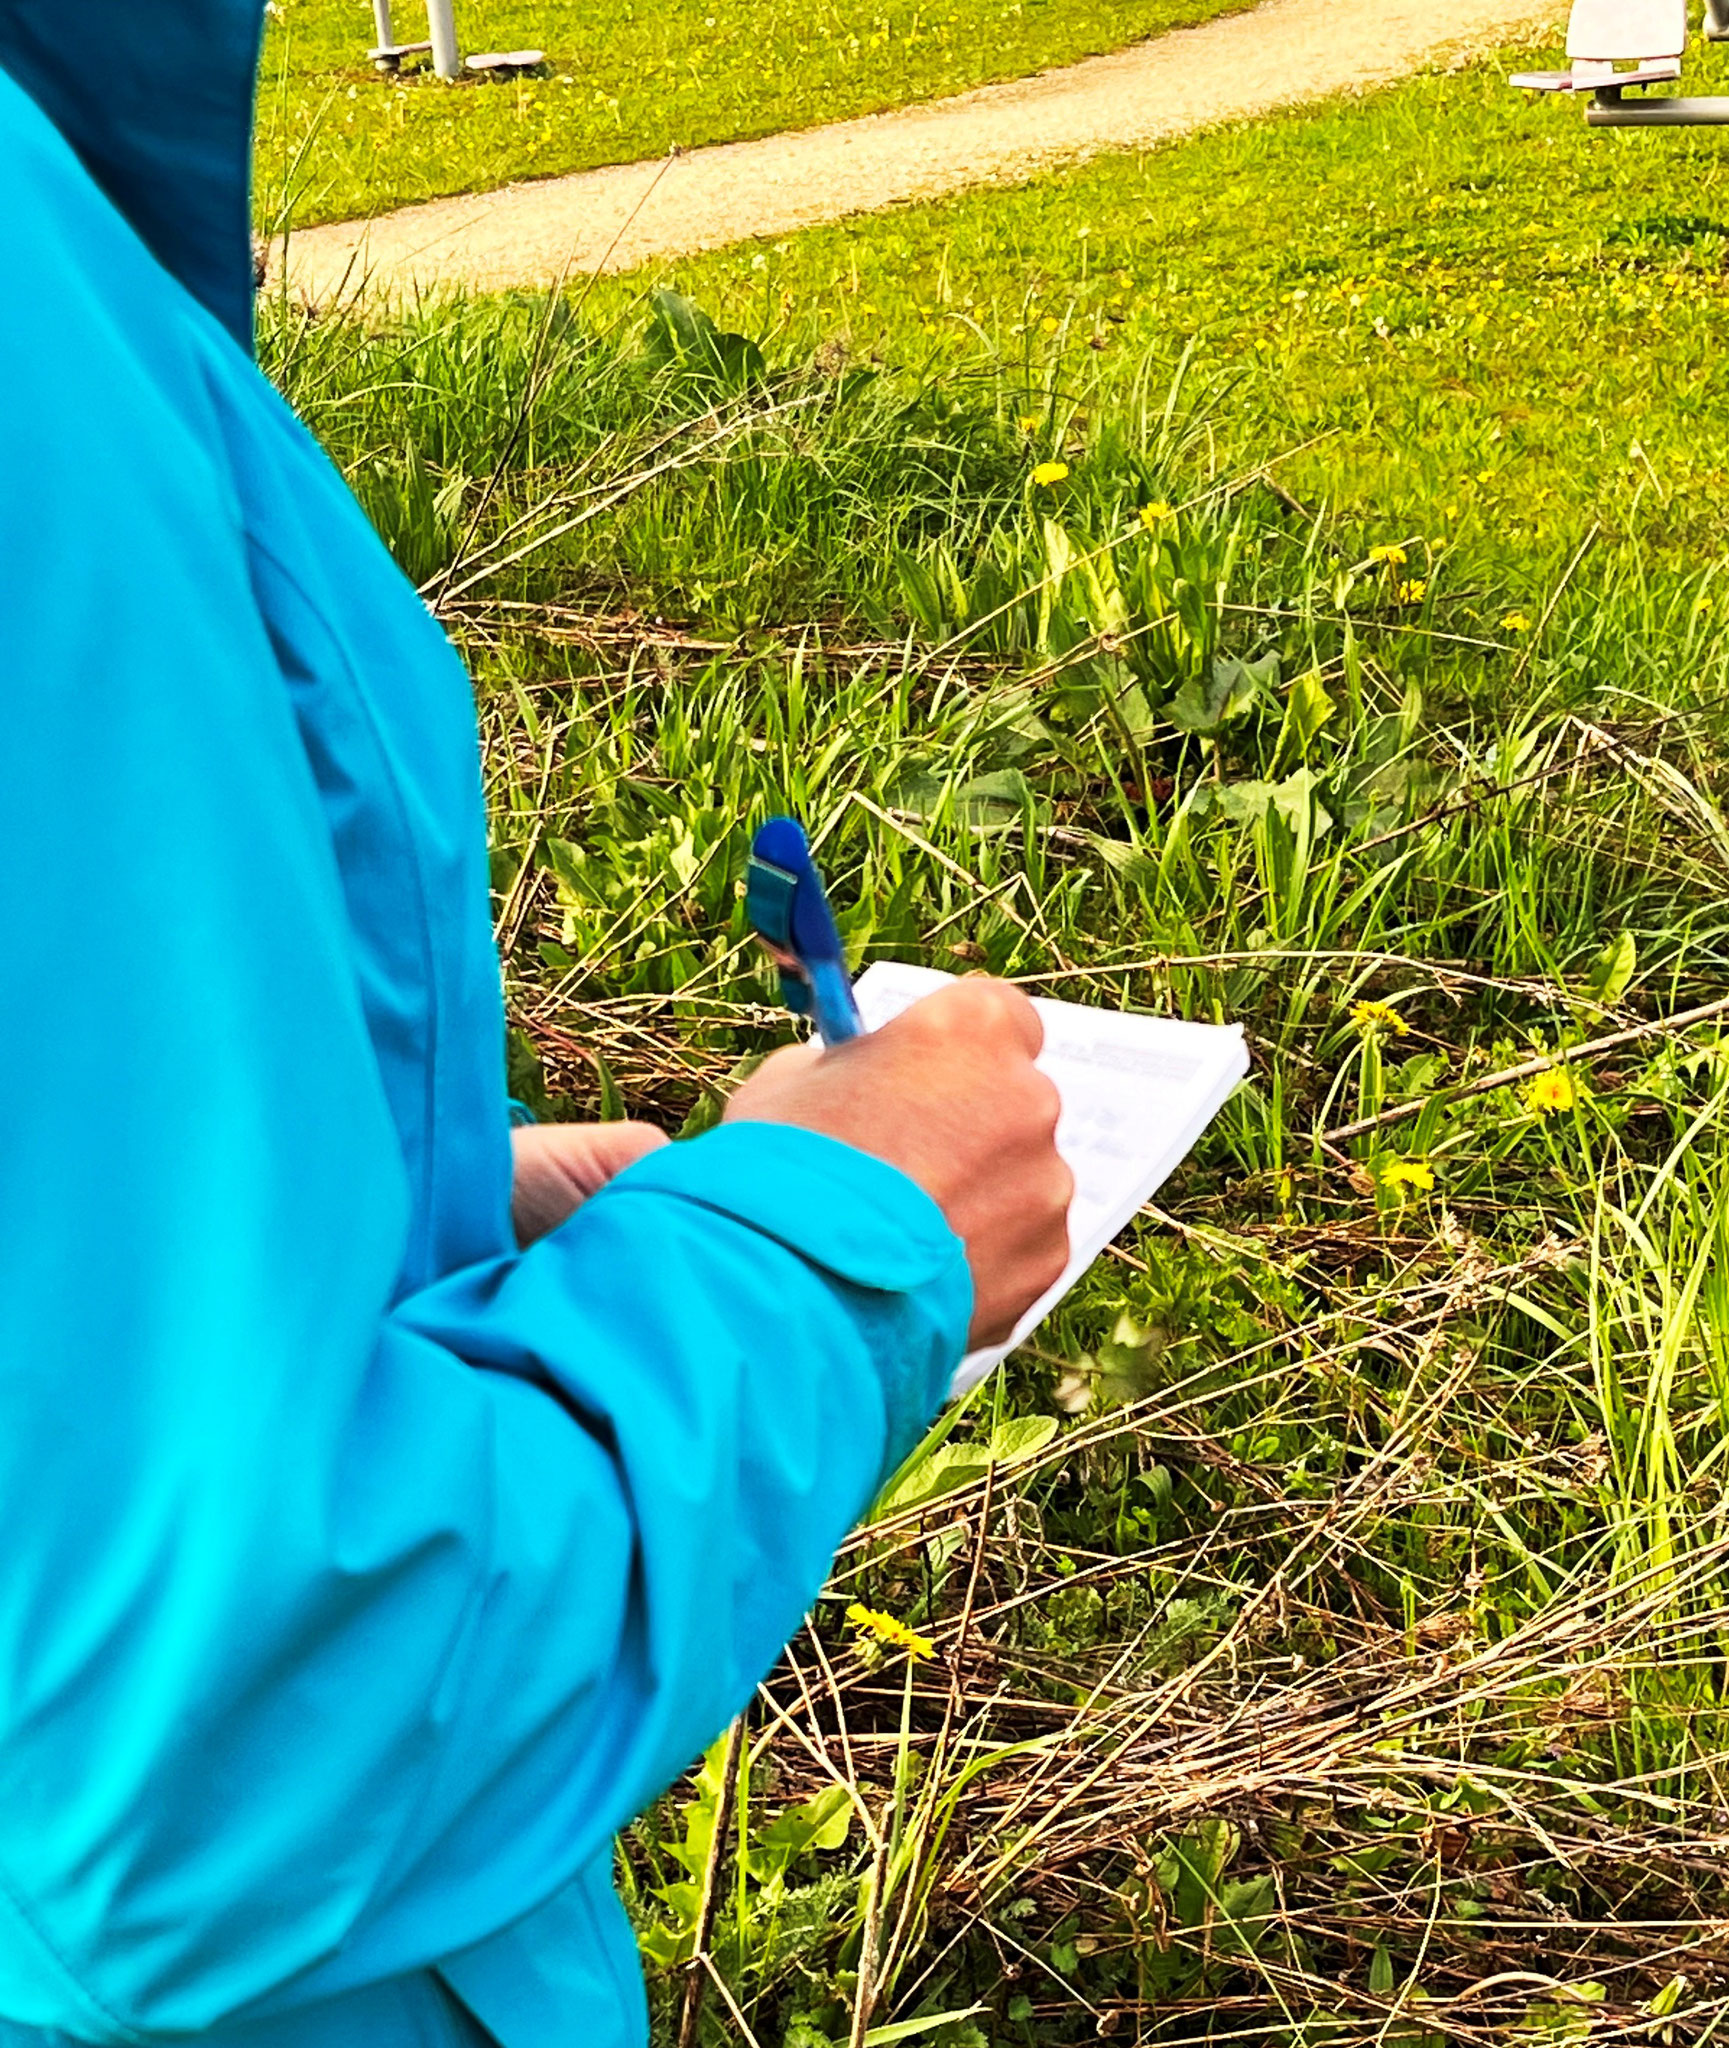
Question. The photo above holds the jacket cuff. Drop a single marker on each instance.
(858, 1220)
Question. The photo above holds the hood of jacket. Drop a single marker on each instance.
(156, 97)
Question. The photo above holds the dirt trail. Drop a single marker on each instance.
(1283, 53)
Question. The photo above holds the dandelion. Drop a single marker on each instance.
(876, 1626)
(1515, 622)
(1050, 472)
(1372, 1017)
(1048, 324)
(1408, 1173)
(1551, 1091)
(1155, 514)
(1414, 591)
(1388, 557)
(1028, 423)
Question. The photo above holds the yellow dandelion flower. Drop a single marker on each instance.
(1369, 1017)
(1408, 1173)
(1050, 472)
(1028, 423)
(1551, 1091)
(883, 1628)
(1515, 622)
(1049, 324)
(1388, 557)
(1414, 591)
(1155, 514)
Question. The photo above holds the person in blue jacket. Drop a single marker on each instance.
(367, 1561)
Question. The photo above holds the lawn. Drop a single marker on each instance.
(1275, 579)
(625, 81)
(1452, 311)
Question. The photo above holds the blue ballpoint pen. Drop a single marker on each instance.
(789, 911)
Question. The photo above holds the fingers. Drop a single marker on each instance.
(1031, 1257)
(610, 1148)
(995, 1014)
(789, 1061)
(557, 1167)
(765, 1094)
(950, 1094)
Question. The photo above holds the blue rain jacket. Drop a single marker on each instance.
(362, 1575)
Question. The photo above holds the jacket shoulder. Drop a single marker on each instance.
(92, 328)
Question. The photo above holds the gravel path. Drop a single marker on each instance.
(1283, 53)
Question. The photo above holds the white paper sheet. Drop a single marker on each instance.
(1137, 1092)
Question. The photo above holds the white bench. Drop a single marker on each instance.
(1617, 43)
(447, 59)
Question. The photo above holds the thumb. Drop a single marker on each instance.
(559, 1166)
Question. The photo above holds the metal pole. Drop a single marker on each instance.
(441, 26)
(1717, 20)
(381, 22)
(1611, 111)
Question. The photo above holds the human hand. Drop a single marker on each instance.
(558, 1166)
(948, 1093)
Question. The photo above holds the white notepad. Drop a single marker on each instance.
(1137, 1092)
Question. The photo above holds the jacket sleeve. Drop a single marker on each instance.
(338, 1631)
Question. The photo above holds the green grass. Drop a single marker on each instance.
(1453, 312)
(625, 81)
(1335, 1652)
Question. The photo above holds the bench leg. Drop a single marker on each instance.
(1717, 20)
(441, 25)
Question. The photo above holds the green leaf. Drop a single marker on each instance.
(682, 336)
(1059, 553)
(1381, 1978)
(989, 802)
(613, 1108)
(1294, 799)
(950, 1467)
(1307, 709)
(681, 854)
(1233, 690)
(821, 1823)
(1667, 1999)
(667, 1947)
(1133, 863)
(1246, 1905)
(1159, 1487)
(1134, 712)
(1365, 1862)
(1021, 1437)
(947, 1469)
(710, 1108)
(1612, 970)
(570, 870)
(909, 2030)
(923, 595)
(1107, 610)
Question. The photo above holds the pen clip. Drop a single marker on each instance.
(789, 910)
